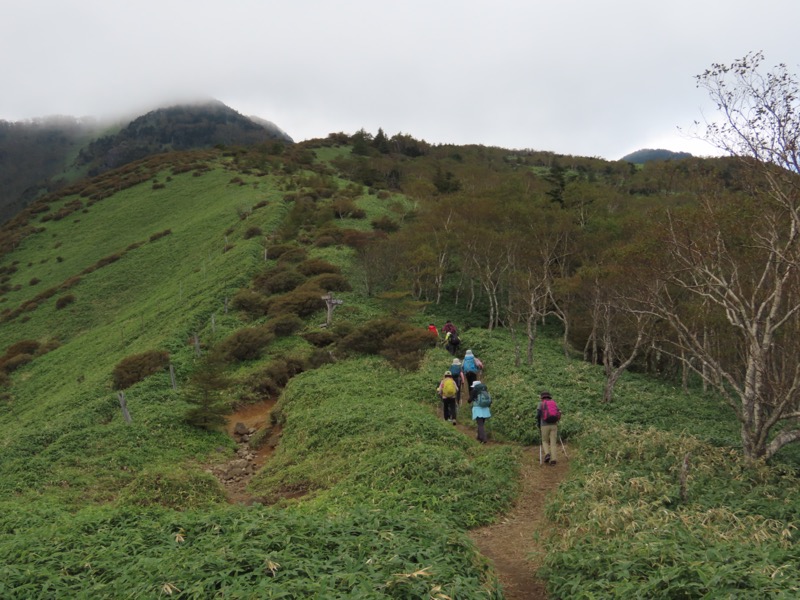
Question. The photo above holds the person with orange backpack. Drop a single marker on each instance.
(547, 416)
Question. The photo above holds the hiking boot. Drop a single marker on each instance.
(552, 463)
(547, 458)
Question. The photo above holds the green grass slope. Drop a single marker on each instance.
(369, 492)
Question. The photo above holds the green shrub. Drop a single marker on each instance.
(251, 302)
(244, 344)
(320, 338)
(370, 337)
(22, 347)
(302, 303)
(277, 250)
(15, 362)
(385, 224)
(406, 349)
(282, 370)
(277, 281)
(294, 256)
(317, 266)
(330, 282)
(64, 301)
(258, 386)
(345, 208)
(284, 325)
(137, 367)
(252, 232)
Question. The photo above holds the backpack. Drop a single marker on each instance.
(550, 411)
(469, 365)
(483, 399)
(449, 388)
(455, 370)
(453, 339)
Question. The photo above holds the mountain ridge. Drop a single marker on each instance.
(41, 155)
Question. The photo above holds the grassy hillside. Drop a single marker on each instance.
(369, 493)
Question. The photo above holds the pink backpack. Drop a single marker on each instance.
(550, 411)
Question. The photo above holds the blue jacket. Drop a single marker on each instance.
(478, 411)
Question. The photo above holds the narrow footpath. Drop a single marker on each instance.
(510, 543)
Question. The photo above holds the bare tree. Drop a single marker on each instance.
(738, 256)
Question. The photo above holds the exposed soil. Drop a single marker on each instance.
(234, 479)
(510, 543)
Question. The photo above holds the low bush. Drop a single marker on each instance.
(294, 256)
(244, 344)
(137, 367)
(284, 325)
(278, 280)
(282, 370)
(406, 349)
(371, 337)
(251, 302)
(252, 232)
(321, 338)
(385, 224)
(15, 362)
(64, 301)
(317, 266)
(277, 250)
(302, 303)
(330, 282)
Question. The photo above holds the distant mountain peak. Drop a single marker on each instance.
(648, 154)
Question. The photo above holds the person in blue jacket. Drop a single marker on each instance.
(479, 413)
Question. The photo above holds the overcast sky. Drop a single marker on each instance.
(581, 77)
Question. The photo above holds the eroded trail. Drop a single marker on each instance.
(510, 543)
(235, 474)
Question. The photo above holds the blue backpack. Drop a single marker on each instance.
(469, 365)
(483, 399)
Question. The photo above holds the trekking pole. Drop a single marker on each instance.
(563, 448)
(540, 445)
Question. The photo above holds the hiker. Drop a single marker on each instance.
(433, 330)
(447, 391)
(471, 366)
(451, 342)
(480, 409)
(458, 377)
(448, 327)
(548, 416)
(451, 339)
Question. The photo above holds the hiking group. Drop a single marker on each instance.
(466, 375)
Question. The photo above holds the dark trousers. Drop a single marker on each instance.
(449, 408)
(481, 421)
(471, 377)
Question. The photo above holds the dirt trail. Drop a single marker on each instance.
(510, 543)
(235, 474)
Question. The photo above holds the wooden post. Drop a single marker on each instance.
(197, 344)
(123, 405)
(213, 323)
(330, 303)
(172, 377)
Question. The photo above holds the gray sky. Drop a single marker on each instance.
(581, 77)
